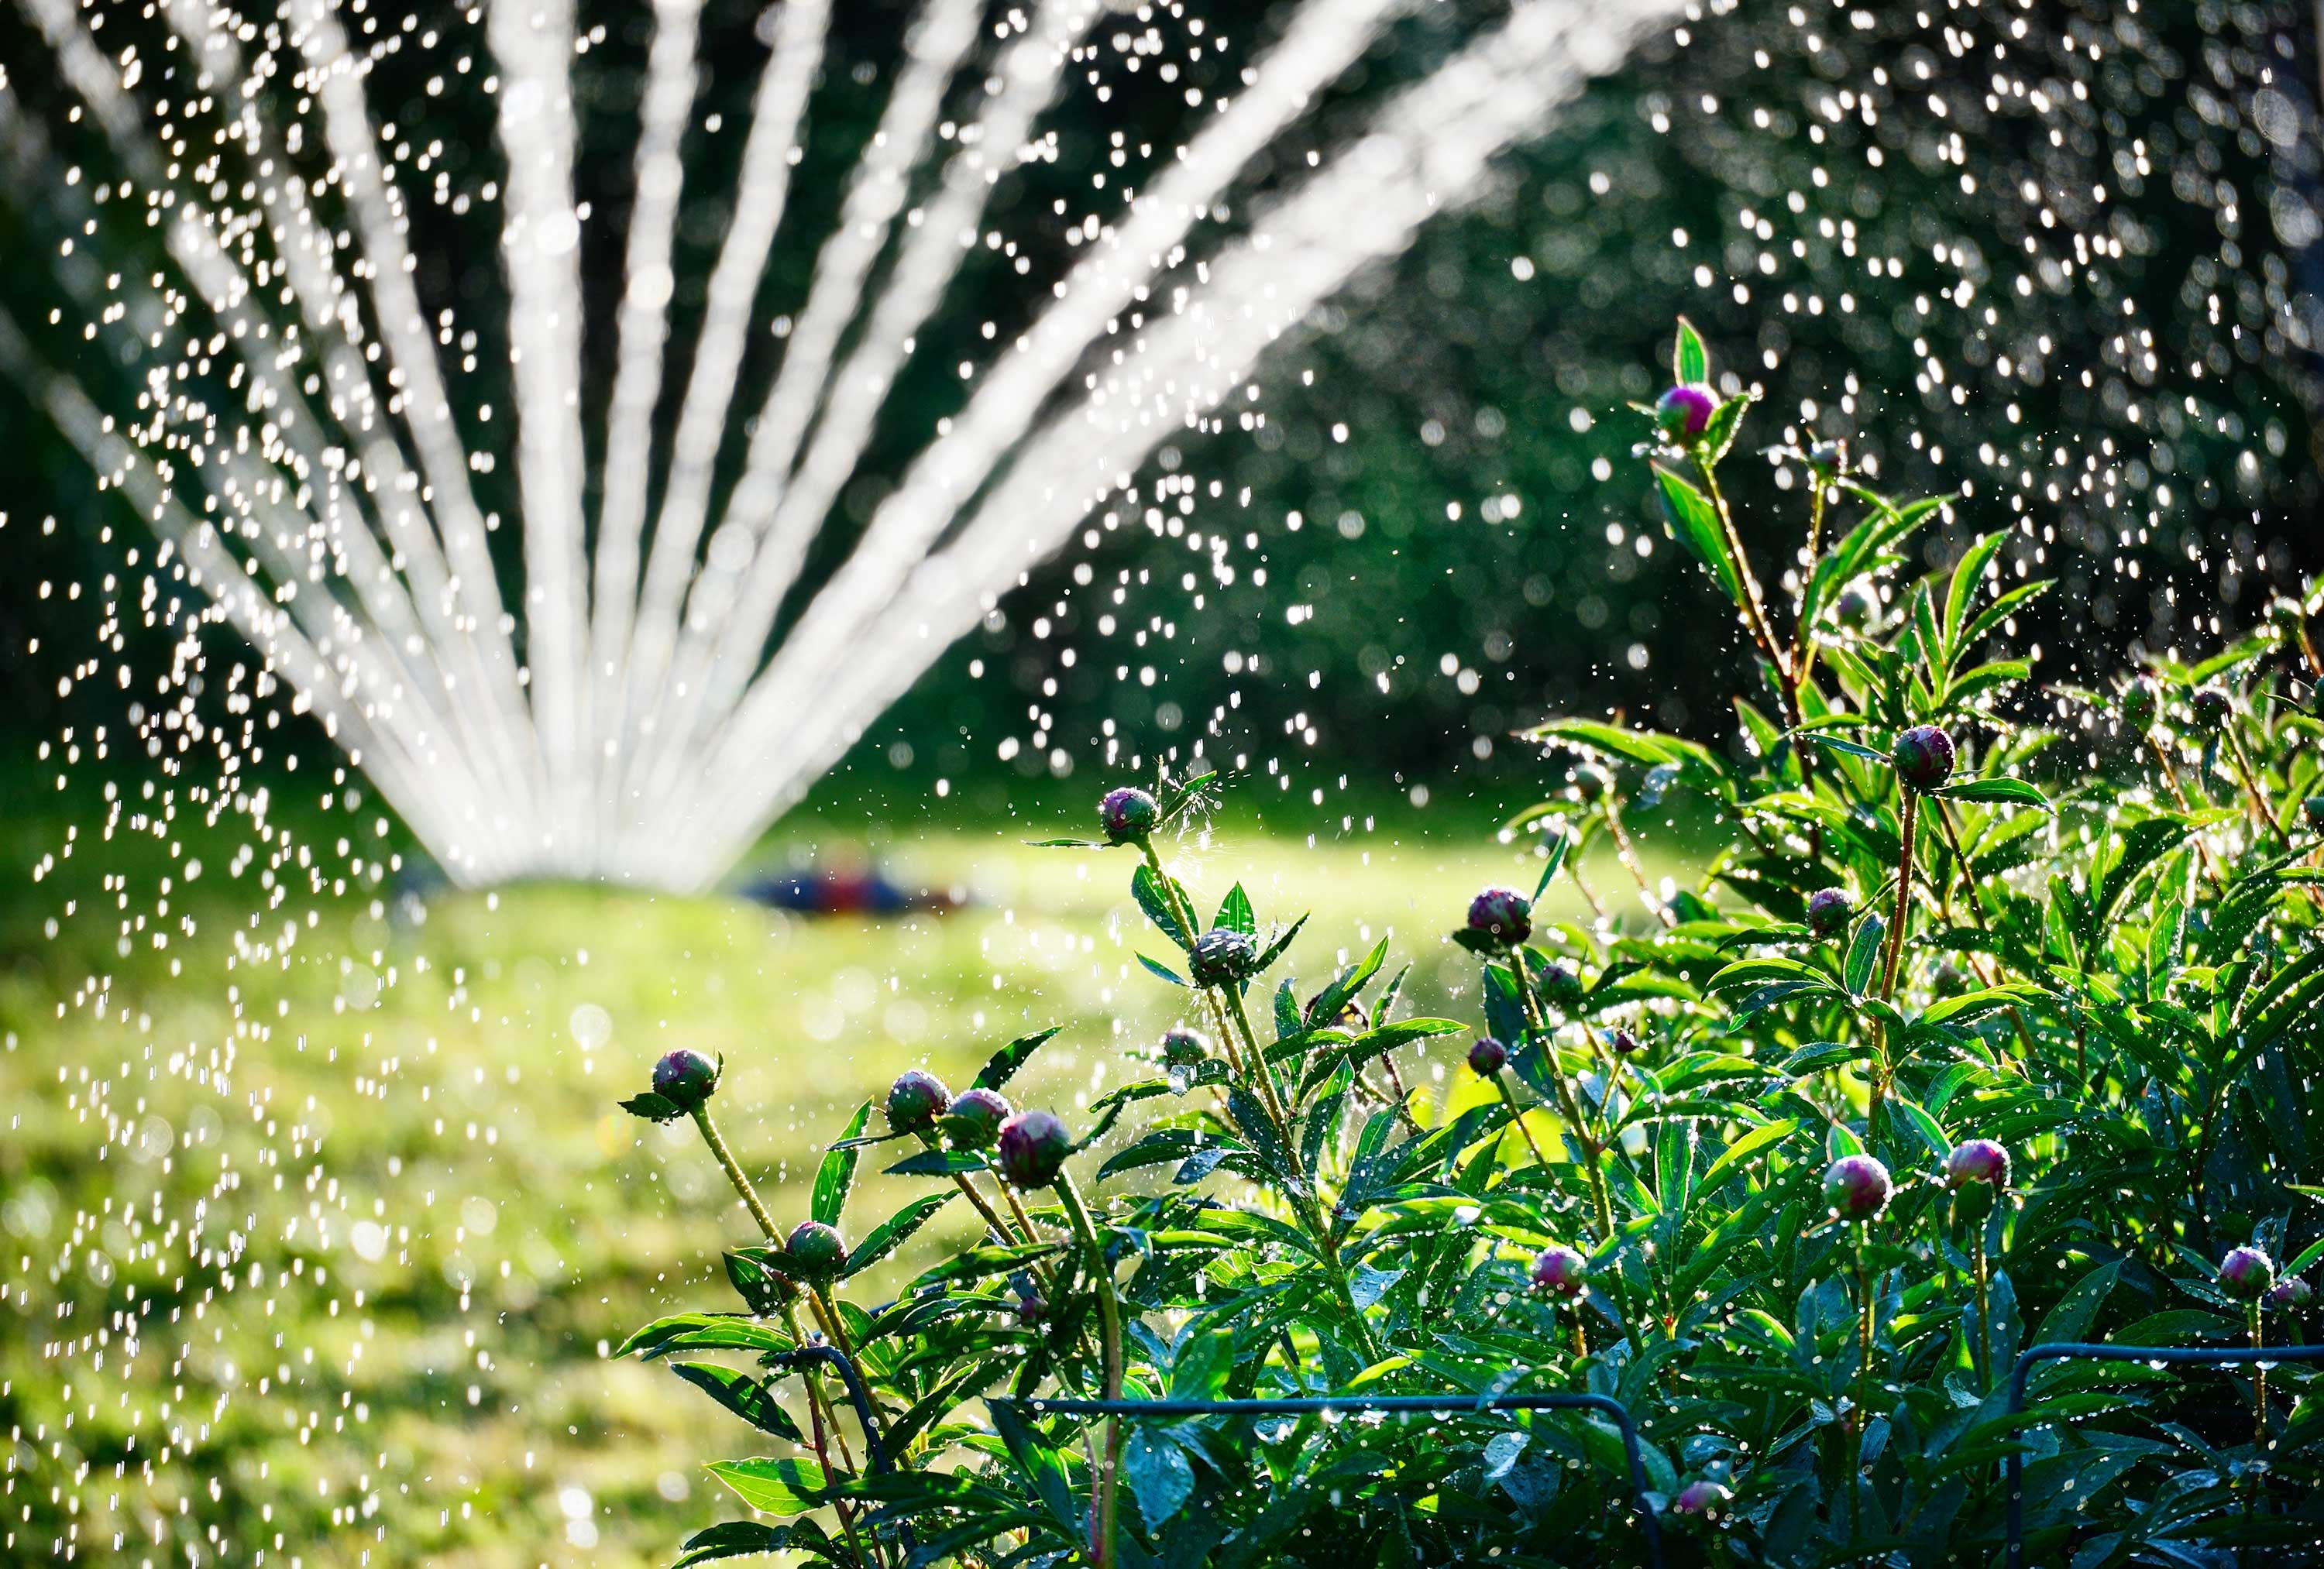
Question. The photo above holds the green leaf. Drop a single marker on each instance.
(704, 1332)
(746, 1396)
(836, 1174)
(1155, 968)
(1043, 1467)
(773, 1487)
(1695, 525)
(748, 1539)
(654, 1108)
(755, 1279)
(1825, 739)
(937, 1164)
(1967, 573)
(2007, 792)
(1554, 858)
(1864, 952)
(1719, 432)
(1160, 1477)
(1199, 1368)
(1235, 912)
(1149, 890)
(891, 1233)
(1002, 1065)
(1690, 361)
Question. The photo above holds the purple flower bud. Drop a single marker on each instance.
(916, 1100)
(2312, 812)
(1487, 1057)
(973, 1121)
(2291, 1296)
(1221, 956)
(1857, 1187)
(1828, 460)
(1684, 411)
(2212, 705)
(1185, 1048)
(1706, 1499)
(2247, 1273)
(1923, 757)
(1591, 783)
(1622, 1043)
(1978, 1160)
(1858, 606)
(816, 1253)
(1127, 816)
(1562, 1272)
(1560, 987)
(2142, 700)
(1829, 911)
(1502, 913)
(1033, 1149)
(684, 1077)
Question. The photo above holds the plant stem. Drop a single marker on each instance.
(1978, 961)
(1631, 864)
(1858, 1420)
(2257, 797)
(1984, 1313)
(1303, 1193)
(1517, 1115)
(1754, 608)
(2259, 1387)
(726, 1162)
(2179, 794)
(1109, 1306)
(1911, 817)
(1569, 1104)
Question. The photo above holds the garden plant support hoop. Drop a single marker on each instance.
(1312, 1405)
(2076, 1350)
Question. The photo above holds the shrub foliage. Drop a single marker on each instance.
(1962, 1043)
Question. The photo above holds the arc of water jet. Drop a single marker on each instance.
(541, 241)
(1320, 43)
(672, 77)
(761, 191)
(939, 42)
(337, 85)
(228, 292)
(1029, 71)
(327, 309)
(214, 571)
(1431, 148)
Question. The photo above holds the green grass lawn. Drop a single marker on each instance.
(324, 1269)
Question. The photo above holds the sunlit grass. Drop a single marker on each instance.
(405, 1154)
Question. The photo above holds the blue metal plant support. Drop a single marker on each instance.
(1308, 1406)
(2074, 1350)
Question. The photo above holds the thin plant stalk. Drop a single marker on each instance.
(1909, 819)
(1984, 1310)
(2251, 791)
(1569, 1104)
(1631, 864)
(1102, 1499)
(1517, 1115)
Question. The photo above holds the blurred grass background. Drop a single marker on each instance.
(412, 1157)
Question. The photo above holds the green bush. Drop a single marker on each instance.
(1937, 1062)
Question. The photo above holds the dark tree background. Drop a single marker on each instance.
(2065, 258)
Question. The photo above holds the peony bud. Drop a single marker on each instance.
(1684, 411)
(684, 1077)
(1706, 1499)
(1561, 988)
(973, 1121)
(1503, 913)
(1923, 757)
(1562, 1272)
(1829, 911)
(2291, 1295)
(2312, 812)
(2142, 702)
(1127, 816)
(916, 1100)
(1591, 783)
(1622, 1043)
(815, 1255)
(1487, 1057)
(2212, 705)
(1857, 1187)
(1978, 1160)
(1185, 1048)
(2247, 1273)
(1033, 1149)
(1221, 956)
